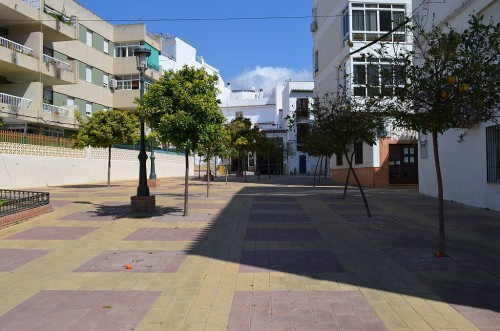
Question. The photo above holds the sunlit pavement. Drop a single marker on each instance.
(275, 254)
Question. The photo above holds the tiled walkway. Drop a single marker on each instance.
(273, 255)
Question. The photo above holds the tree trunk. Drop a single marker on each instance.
(320, 169)
(245, 168)
(208, 175)
(199, 167)
(215, 170)
(315, 172)
(359, 186)
(442, 238)
(109, 166)
(268, 166)
(326, 164)
(347, 179)
(257, 167)
(186, 183)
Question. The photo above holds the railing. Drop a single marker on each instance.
(15, 101)
(12, 201)
(32, 3)
(35, 139)
(58, 63)
(70, 21)
(56, 110)
(15, 46)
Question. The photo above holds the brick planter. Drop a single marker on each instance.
(143, 204)
(25, 215)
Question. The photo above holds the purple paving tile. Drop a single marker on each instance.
(142, 261)
(111, 194)
(60, 203)
(114, 203)
(274, 198)
(53, 233)
(88, 216)
(193, 217)
(275, 206)
(80, 310)
(160, 234)
(276, 217)
(319, 310)
(300, 262)
(11, 259)
(278, 234)
(422, 259)
(351, 207)
(359, 218)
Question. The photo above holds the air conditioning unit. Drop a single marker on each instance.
(314, 26)
(113, 83)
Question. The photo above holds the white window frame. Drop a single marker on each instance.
(126, 49)
(106, 46)
(89, 37)
(88, 74)
(88, 109)
(239, 114)
(105, 80)
(369, 35)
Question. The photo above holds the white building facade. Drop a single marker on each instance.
(471, 169)
(340, 29)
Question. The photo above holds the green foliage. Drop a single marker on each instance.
(242, 136)
(183, 108)
(107, 128)
(2, 122)
(450, 78)
(345, 121)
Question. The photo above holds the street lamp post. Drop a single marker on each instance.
(152, 174)
(142, 54)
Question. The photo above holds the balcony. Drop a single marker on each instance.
(17, 62)
(57, 26)
(57, 110)
(62, 115)
(57, 72)
(33, 3)
(17, 108)
(125, 99)
(14, 101)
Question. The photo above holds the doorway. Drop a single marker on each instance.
(302, 164)
(403, 164)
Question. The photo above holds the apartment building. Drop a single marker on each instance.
(340, 29)
(58, 58)
(470, 169)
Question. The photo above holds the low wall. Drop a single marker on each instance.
(33, 166)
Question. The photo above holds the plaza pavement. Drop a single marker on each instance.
(271, 255)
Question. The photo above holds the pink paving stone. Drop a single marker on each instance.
(142, 261)
(193, 217)
(280, 234)
(202, 205)
(160, 234)
(11, 259)
(80, 310)
(245, 314)
(53, 233)
(278, 217)
(60, 203)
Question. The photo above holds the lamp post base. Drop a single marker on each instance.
(153, 183)
(142, 204)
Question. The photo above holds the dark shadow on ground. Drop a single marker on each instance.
(327, 238)
(89, 186)
(123, 211)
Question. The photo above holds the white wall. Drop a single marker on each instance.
(463, 165)
(22, 171)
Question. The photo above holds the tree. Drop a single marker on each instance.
(243, 138)
(347, 122)
(2, 123)
(215, 146)
(182, 107)
(105, 129)
(449, 81)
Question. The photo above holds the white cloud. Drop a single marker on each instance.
(267, 78)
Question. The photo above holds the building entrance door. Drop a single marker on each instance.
(403, 164)
(302, 164)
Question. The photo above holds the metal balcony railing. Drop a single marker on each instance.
(56, 110)
(58, 63)
(32, 3)
(16, 201)
(15, 46)
(12, 100)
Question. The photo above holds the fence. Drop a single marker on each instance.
(35, 139)
(12, 201)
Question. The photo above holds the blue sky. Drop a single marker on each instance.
(247, 52)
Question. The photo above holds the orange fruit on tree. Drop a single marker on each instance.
(129, 266)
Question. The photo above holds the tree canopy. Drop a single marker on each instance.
(107, 128)
(183, 108)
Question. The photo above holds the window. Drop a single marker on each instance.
(105, 80)
(88, 109)
(339, 160)
(131, 82)
(370, 21)
(70, 101)
(302, 131)
(88, 38)
(316, 61)
(125, 49)
(302, 107)
(493, 153)
(374, 76)
(345, 25)
(105, 47)
(88, 74)
(358, 153)
(239, 114)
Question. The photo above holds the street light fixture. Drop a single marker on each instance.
(142, 55)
